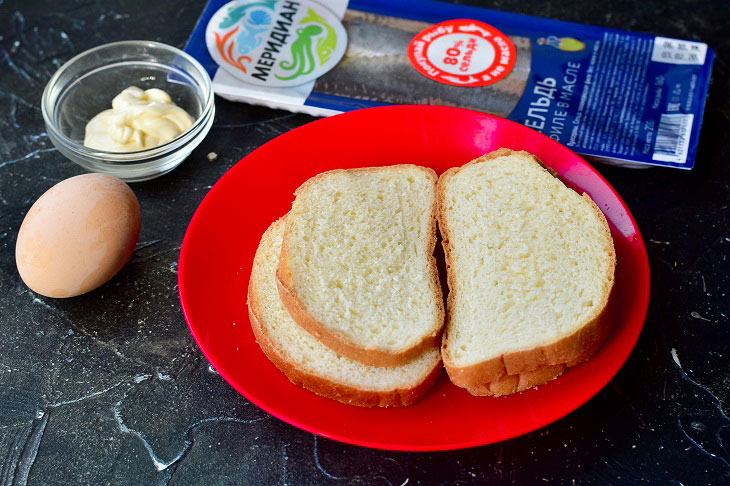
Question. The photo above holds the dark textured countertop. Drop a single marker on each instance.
(109, 387)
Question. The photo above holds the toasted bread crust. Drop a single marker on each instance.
(338, 342)
(401, 397)
(515, 371)
(509, 384)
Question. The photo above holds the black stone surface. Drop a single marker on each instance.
(109, 387)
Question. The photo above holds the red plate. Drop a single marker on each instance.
(216, 257)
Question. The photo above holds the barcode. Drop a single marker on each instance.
(672, 138)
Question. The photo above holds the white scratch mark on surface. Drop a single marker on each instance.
(697, 315)
(67, 320)
(35, 138)
(36, 300)
(86, 397)
(162, 376)
(718, 402)
(12, 426)
(673, 352)
(141, 378)
(144, 244)
(27, 156)
(14, 67)
(13, 101)
(659, 242)
(30, 450)
(698, 445)
(319, 465)
(159, 463)
(256, 123)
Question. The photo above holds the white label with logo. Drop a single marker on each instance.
(275, 43)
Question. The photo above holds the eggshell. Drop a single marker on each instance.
(77, 235)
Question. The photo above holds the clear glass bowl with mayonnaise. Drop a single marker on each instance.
(131, 109)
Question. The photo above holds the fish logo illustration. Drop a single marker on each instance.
(237, 12)
(275, 42)
(568, 44)
(301, 50)
(254, 26)
(225, 48)
(247, 18)
(325, 45)
(309, 37)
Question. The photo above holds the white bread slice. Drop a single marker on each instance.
(307, 362)
(357, 268)
(530, 268)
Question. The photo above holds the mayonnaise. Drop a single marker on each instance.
(138, 120)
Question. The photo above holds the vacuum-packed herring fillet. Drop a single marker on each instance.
(376, 68)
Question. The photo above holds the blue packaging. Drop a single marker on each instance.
(625, 98)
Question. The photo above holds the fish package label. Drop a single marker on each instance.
(625, 98)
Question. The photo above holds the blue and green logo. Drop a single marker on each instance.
(275, 43)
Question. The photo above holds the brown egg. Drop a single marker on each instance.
(77, 235)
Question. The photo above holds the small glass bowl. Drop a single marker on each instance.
(86, 84)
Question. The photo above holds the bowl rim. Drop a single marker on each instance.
(139, 155)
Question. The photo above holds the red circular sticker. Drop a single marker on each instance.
(462, 52)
